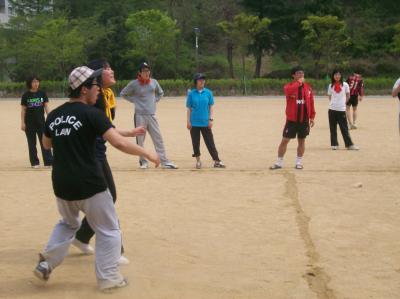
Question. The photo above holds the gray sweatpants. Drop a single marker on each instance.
(102, 217)
(150, 123)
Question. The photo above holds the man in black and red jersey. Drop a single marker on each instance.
(300, 114)
(356, 85)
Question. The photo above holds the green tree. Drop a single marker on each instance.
(396, 40)
(326, 39)
(242, 31)
(55, 48)
(153, 37)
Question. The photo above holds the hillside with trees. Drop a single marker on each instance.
(236, 38)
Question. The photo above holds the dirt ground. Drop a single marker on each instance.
(240, 232)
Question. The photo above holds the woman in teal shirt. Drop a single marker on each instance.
(199, 105)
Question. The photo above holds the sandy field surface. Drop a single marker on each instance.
(243, 232)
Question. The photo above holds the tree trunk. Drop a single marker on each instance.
(244, 73)
(229, 54)
(258, 56)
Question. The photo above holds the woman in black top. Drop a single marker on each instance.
(34, 103)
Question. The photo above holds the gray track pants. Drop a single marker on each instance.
(102, 217)
(150, 123)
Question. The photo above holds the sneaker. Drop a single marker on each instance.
(122, 284)
(144, 165)
(353, 126)
(219, 164)
(85, 248)
(47, 166)
(299, 166)
(198, 164)
(43, 269)
(353, 148)
(335, 147)
(123, 260)
(35, 166)
(169, 165)
(275, 166)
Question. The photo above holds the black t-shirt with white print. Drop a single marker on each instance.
(73, 128)
(34, 103)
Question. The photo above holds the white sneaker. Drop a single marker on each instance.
(123, 260)
(144, 165)
(169, 165)
(335, 147)
(353, 148)
(122, 284)
(35, 166)
(353, 127)
(85, 248)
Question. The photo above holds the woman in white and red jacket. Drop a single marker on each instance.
(300, 114)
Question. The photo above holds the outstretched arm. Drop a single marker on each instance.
(138, 131)
(125, 145)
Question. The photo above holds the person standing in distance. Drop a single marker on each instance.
(145, 92)
(79, 184)
(339, 94)
(300, 114)
(200, 119)
(34, 104)
(356, 85)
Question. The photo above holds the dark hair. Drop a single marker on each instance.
(29, 81)
(100, 63)
(75, 93)
(97, 64)
(296, 69)
(197, 77)
(333, 81)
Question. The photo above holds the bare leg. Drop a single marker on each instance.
(348, 114)
(282, 147)
(301, 147)
(354, 114)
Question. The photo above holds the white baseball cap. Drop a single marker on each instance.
(80, 74)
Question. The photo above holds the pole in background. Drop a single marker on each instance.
(197, 32)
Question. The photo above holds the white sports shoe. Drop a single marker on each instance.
(85, 248)
(35, 166)
(169, 165)
(122, 284)
(353, 148)
(123, 260)
(335, 147)
(144, 165)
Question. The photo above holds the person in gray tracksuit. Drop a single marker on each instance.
(145, 92)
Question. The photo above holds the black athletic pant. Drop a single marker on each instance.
(208, 139)
(85, 232)
(335, 118)
(31, 134)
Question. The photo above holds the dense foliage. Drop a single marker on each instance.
(237, 39)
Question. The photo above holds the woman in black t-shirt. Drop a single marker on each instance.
(34, 103)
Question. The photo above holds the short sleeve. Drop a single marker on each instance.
(45, 98)
(23, 100)
(211, 99)
(346, 88)
(329, 90)
(99, 121)
(189, 100)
